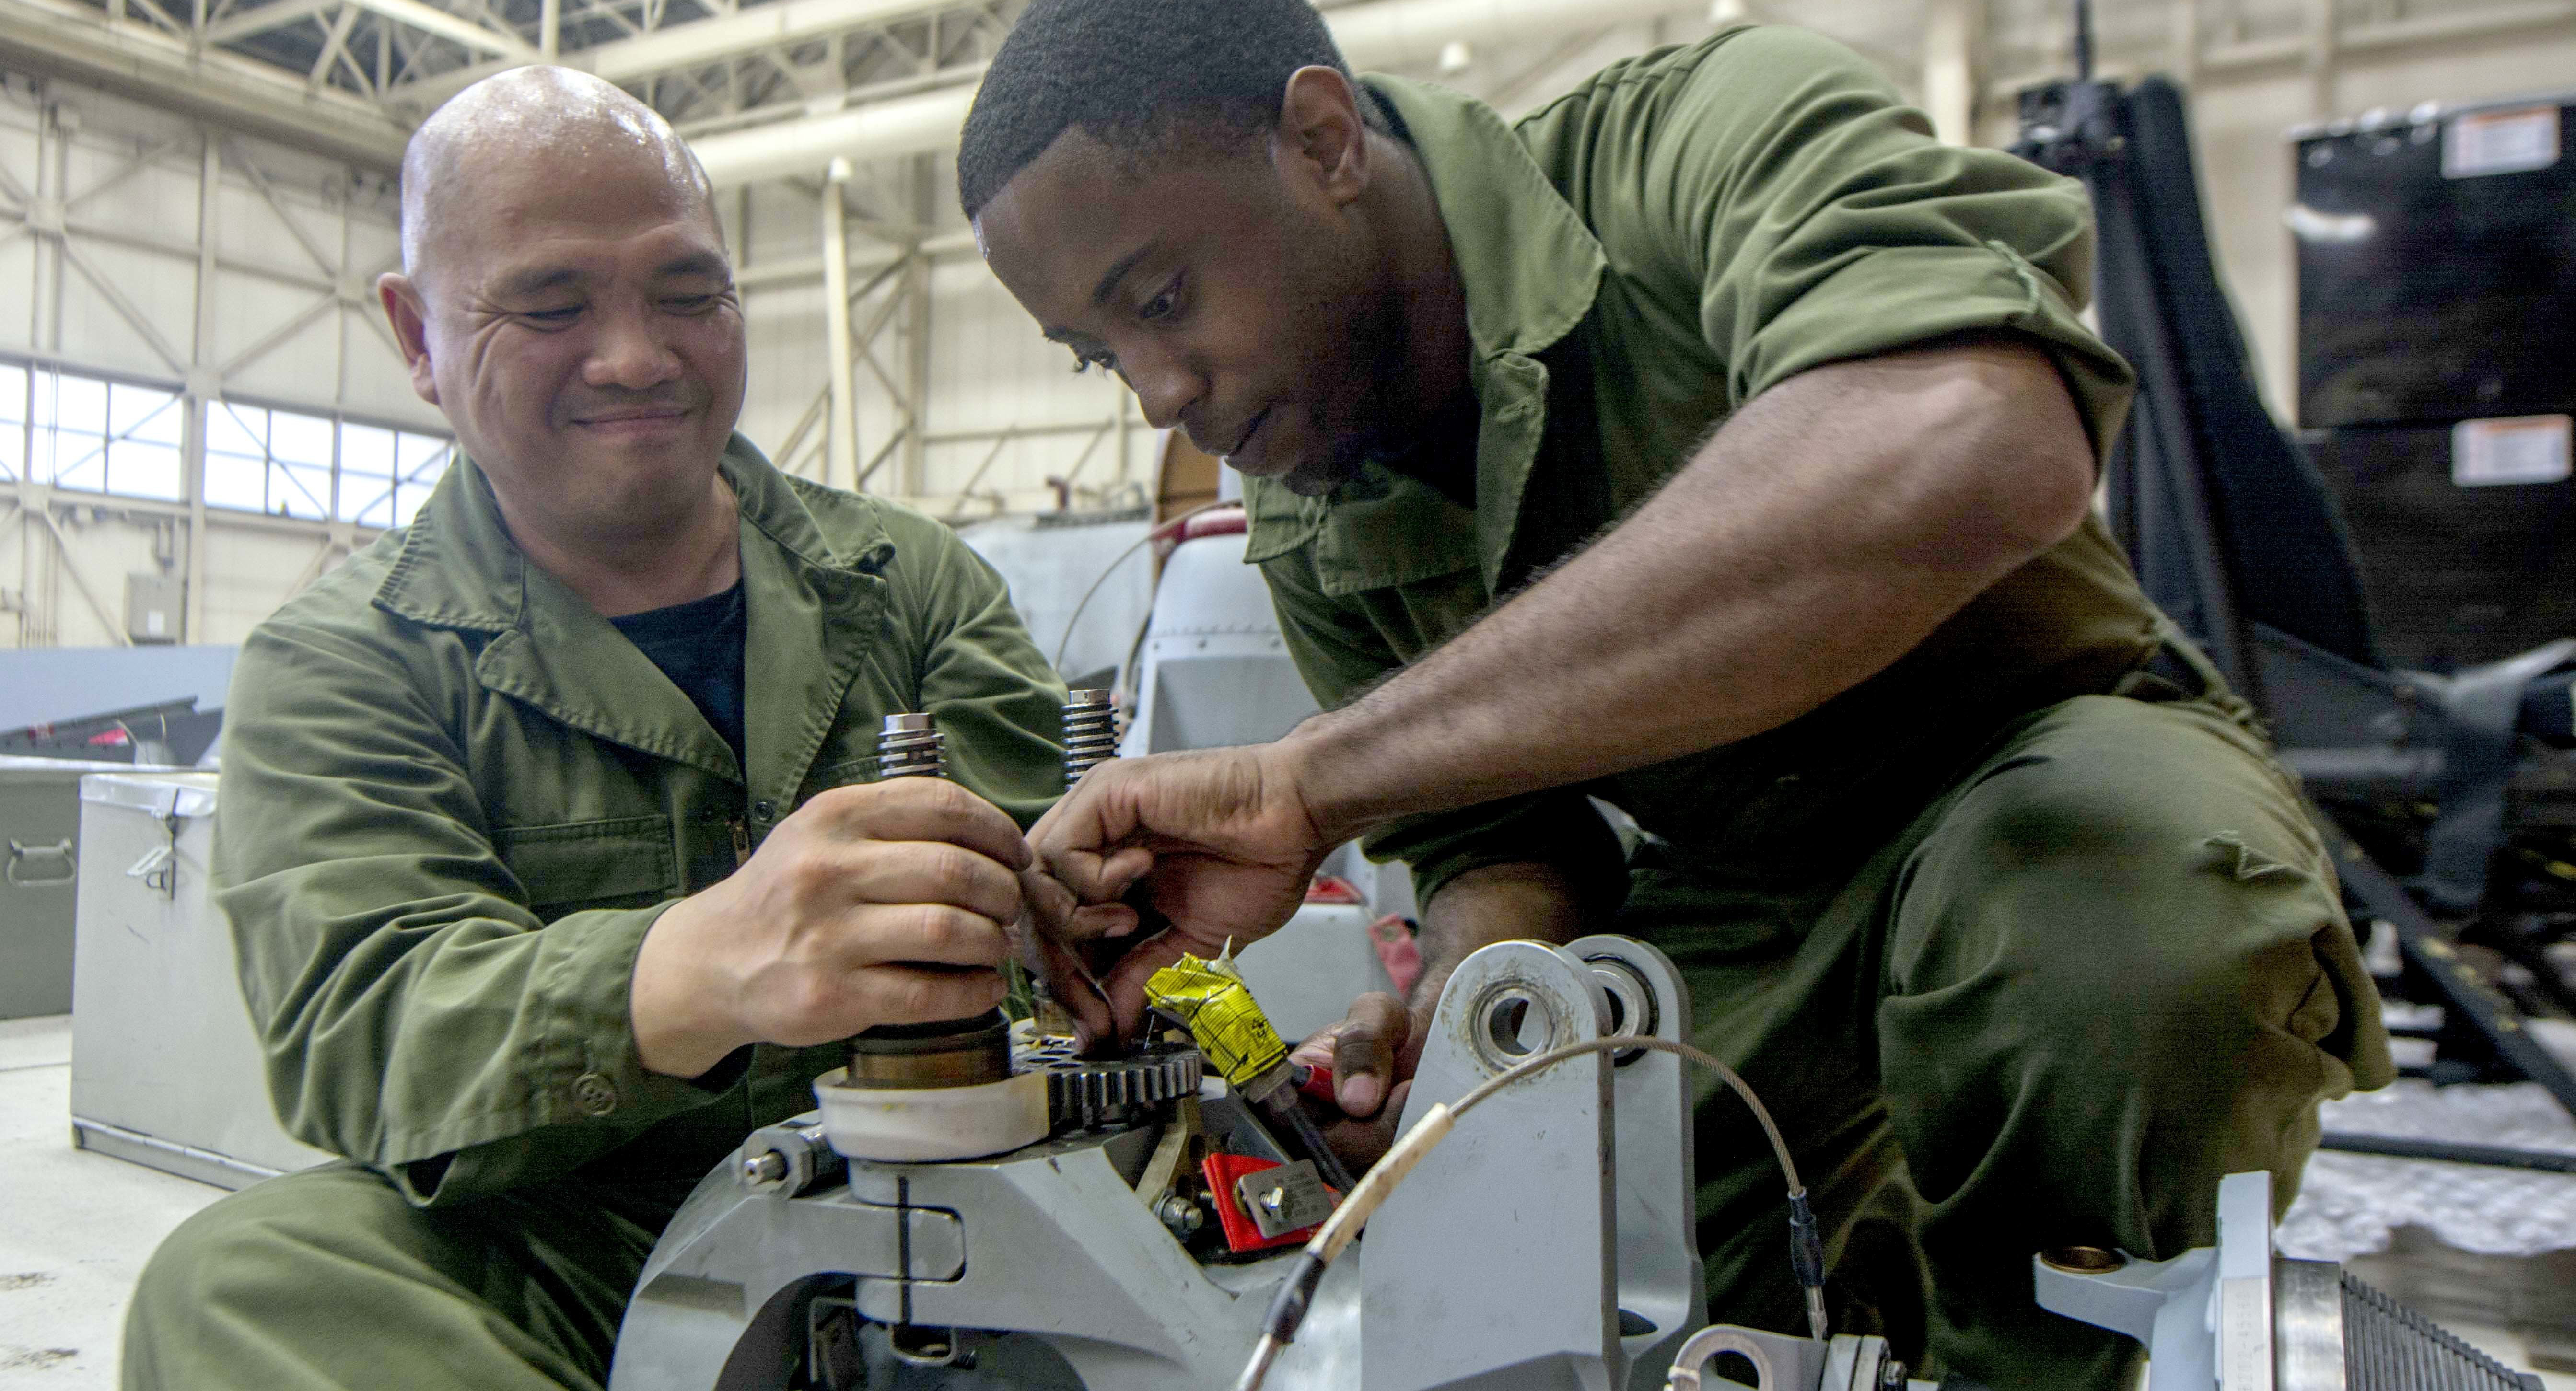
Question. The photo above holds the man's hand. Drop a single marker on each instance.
(1221, 838)
(1372, 1053)
(881, 904)
(1375, 1048)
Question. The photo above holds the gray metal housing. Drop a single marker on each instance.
(1055, 1246)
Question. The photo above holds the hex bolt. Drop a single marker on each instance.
(1180, 1215)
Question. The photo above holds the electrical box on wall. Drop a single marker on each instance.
(154, 606)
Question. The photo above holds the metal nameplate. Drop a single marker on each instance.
(1284, 1199)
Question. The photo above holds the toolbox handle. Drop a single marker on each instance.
(21, 854)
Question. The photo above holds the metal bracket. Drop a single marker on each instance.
(2175, 1306)
(1531, 1171)
(159, 867)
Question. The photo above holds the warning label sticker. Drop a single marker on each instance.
(2519, 449)
(2500, 142)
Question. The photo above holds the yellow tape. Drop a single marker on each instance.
(1212, 999)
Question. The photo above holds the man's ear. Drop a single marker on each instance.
(1321, 138)
(409, 317)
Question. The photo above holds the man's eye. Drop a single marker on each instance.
(693, 304)
(553, 316)
(1161, 305)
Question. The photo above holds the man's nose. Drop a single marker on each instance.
(630, 353)
(1164, 382)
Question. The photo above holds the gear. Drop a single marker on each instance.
(1088, 1092)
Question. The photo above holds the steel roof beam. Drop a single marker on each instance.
(456, 29)
(74, 41)
(1384, 33)
(241, 24)
(697, 43)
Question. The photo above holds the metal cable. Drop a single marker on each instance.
(1170, 527)
(1297, 1291)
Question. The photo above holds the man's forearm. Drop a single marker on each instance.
(1497, 903)
(1825, 531)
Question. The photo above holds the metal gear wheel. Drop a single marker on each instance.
(1087, 1092)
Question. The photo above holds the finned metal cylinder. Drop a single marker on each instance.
(1090, 732)
(910, 746)
(946, 1053)
(949, 1052)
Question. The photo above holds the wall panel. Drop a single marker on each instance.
(294, 248)
(250, 571)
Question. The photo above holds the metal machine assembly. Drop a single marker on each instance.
(974, 1206)
(1088, 1257)
(948, 1089)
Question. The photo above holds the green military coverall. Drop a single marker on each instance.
(2024, 944)
(454, 799)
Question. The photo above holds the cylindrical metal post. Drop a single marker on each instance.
(910, 746)
(841, 428)
(1090, 733)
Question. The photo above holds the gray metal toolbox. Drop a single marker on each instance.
(39, 855)
(165, 1066)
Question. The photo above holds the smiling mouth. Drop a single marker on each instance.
(629, 420)
(1248, 432)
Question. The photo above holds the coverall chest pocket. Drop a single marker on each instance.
(848, 773)
(627, 862)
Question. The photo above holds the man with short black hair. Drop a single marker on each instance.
(1713, 442)
(549, 826)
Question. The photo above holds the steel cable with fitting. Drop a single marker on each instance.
(1297, 1290)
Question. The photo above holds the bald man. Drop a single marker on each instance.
(541, 905)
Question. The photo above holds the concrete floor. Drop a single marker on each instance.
(76, 1227)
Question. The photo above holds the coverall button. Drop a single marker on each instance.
(594, 1094)
(763, 809)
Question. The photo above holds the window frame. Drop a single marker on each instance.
(339, 506)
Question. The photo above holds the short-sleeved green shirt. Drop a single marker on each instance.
(1641, 256)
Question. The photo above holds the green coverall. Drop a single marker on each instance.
(2024, 942)
(454, 798)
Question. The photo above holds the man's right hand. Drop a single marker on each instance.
(1222, 839)
(1372, 1052)
(881, 904)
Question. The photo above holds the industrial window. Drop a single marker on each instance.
(89, 433)
(385, 475)
(100, 435)
(13, 422)
(295, 464)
